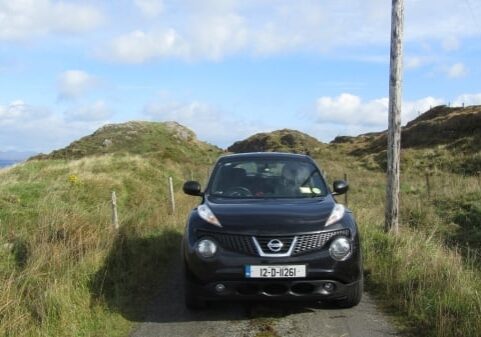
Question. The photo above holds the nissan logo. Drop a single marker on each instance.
(275, 245)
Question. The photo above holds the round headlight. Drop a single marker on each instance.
(206, 248)
(340, 249)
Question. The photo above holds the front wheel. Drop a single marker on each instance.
(191, 297)
(353, 296)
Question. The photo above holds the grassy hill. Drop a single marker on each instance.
(441, 138)
(168, 140)
(63, 270)
(285, 140)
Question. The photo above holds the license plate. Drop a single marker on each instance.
(276, 271)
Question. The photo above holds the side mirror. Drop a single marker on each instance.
(340, 187)
(192, 188)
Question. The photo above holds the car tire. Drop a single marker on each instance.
(353, 296)
(191, 298)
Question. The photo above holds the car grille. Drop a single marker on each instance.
(308, 242)
(303, 244)
(236, 243)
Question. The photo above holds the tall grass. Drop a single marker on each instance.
(65, 272)
(57, 246)
(424, 273)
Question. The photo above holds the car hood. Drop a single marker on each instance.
(271, 216)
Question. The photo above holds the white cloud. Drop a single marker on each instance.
(467, 99)
(150, 8)
(97, 111)
(411, 109)
(24, 19)
(13, 111)
(210, 36)
(209, 123)
(19, 112)
(457, 70)
(450, 43)
(413, 62)
(215, 36)
(139, 46)
(216, 29)
(350, 110)
(73, 84)
(24, 126)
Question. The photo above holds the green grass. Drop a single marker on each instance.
(166, 141)
(442, 138)
(285, 140)
(65, 272)
(425, 274)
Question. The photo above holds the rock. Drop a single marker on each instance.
(180, 131)
(107, 143)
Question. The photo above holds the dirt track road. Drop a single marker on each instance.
(169, 318)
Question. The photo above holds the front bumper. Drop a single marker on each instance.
(274, 290)
(227, 268)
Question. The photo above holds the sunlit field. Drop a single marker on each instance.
(66, 272)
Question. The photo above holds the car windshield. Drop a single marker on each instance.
(261, 178)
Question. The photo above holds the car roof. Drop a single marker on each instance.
(265, 155)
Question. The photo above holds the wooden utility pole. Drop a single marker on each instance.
(394, 126)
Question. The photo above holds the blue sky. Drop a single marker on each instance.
(225, 68)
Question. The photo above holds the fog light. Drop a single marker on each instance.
(219, 288)
(206, 248)
(328, 286)
(340, 249)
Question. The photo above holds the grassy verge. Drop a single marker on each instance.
(426, 274)
(63, 270)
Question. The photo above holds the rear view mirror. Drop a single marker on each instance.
(340, 187)
(192, 188)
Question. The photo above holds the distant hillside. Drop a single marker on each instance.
(456, 127)
(442, 137)
(285, 140)
(166, 140)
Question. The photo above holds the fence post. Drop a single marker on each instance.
(345, 194)
(428, 185)
(115, 216)
(172, 197)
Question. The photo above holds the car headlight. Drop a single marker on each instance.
(340, 249)
(206, 248)
(206, 214)
(336, 214)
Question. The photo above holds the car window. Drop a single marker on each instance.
(262, 178)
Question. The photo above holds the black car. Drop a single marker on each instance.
(268, 227)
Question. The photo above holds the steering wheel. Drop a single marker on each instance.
(238, 191)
